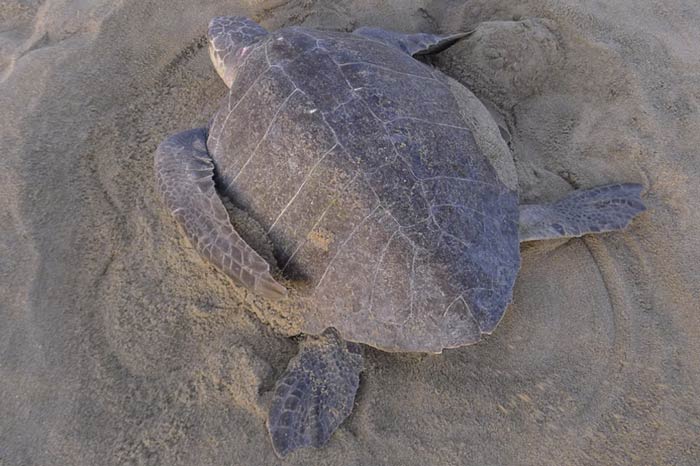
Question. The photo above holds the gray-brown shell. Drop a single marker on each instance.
(362, 165)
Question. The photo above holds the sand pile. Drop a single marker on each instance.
(118, 344)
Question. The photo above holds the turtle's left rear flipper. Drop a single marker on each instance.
(184, 173)
(595, 210)
(315, 394)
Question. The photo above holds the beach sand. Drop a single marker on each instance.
(119, 345)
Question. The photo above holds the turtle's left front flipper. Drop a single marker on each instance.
(595, 210)
(315, 394)
(185, 176)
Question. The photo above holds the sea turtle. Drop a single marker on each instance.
(386, 191)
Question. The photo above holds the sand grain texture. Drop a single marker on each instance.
(119, 345)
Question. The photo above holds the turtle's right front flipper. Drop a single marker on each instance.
(184, 173)
(413, 44)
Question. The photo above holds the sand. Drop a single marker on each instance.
(118, 345)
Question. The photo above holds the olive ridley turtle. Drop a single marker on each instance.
(386, 191)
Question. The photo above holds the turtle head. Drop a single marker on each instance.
(230, 39)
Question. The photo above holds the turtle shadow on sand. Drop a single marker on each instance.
(384, 183)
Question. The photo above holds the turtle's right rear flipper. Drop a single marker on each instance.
(184, 173)
(595, 210)
(315, 394)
